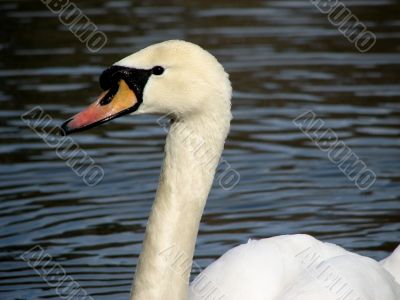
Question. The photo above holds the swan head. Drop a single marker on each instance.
(177, 78)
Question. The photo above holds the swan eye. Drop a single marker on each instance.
(157, 70)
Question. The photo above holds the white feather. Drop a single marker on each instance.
(294, 267)
(196, 92)
(392, 264)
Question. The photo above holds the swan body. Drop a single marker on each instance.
(186, 83)
(392, 264)
(294, 267)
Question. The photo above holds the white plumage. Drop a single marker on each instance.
(196, 92)
(392, 264)
(295, 267)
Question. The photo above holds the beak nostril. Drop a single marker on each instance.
(109, 96)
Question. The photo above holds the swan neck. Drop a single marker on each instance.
(192, 152)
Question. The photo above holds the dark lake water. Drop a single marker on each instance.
(284, 57)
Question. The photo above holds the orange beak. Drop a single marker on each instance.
(115, 102)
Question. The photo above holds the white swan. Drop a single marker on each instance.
(182, 80)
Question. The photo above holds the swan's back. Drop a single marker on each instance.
(294, 267)
(392, 264)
